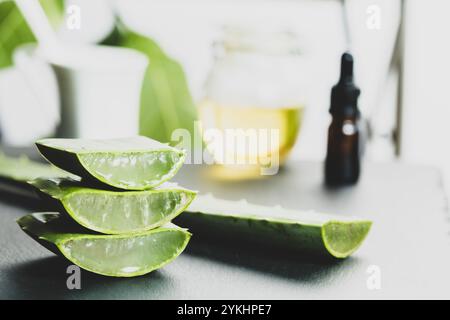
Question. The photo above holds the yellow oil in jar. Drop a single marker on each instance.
(234, 163)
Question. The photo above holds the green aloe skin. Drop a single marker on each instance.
(136, 163)
(312, 232)
(22, 169)
(114, 212)
(127, 255)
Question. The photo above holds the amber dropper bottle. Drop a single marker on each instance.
(342, 164)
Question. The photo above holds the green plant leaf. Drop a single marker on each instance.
(22, 169)
(135, 163)
(305, 231)
(166, 104)
(114, 212)
(14, 31)
(125, 255)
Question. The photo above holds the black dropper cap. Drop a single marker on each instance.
(344, 95)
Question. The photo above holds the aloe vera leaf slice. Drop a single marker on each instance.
(126, 255)
(115, 212)
(136, 163)
(22, 169)
(317, 233)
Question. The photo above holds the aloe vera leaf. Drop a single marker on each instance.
(21, 169)
(322, 234)
(136, 163)
(125, 255)
(113, 212)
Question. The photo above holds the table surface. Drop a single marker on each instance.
(409, 245)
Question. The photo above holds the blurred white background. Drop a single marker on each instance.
(186, 29)
(426, 109)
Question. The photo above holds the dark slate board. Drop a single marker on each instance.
(409, 243)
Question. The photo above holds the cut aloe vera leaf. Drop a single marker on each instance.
(316, 233)
(115, 212)
(16, 171)
(136, 163)
(110, 255)
(22, 169)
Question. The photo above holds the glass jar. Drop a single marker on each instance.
(254, 100)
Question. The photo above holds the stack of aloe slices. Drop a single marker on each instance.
(115, 210)
(134, 210)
